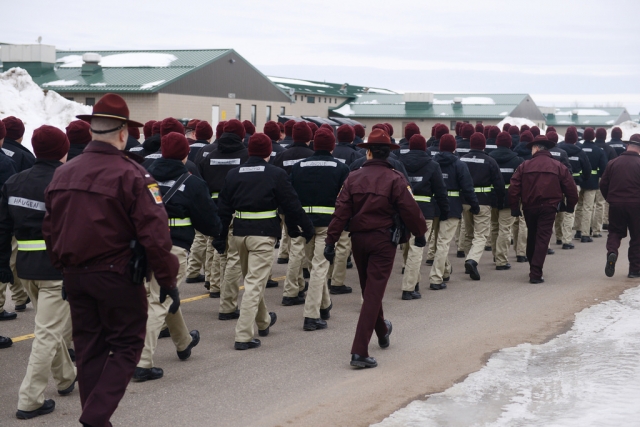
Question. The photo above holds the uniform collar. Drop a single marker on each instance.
(102, 147)
(542, 153)
(377, 162)
(629, 153)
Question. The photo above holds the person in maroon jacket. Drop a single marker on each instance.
(543, 185)
(620, 186)
(369, 200)
(96, 206)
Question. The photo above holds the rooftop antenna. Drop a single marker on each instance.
(39, 39)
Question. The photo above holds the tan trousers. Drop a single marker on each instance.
(294, 281)
(231, 279)
(501, 223)
(414, 261)
(564, 226)
(18, 293)
(459, 236)
(49, 355)
(159, 313)
(256, 256)
(520, 236)
(431, 243)
(475, 231)
(586, 203)
(285, 241)
(445, 231)
(598, 213)
(318, 294)
(197, 255)
(215, 265)
(338, 270)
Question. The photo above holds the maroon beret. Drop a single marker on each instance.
(272, 130)
(417, 142)
(479, 128)
(234, 126)
(506, 126)
(260, 145)
(134, 131)
(494, 131)
(78, 132)
(515, 130)
(486, 130)
(535, 131)
(155, 129)
(571, 136)
(601, 133)
(327, 127)
(447, 143)
(301, 132)
(192, 124)
(288, 127)
(313, 127)
(503, 139)
(3, 130)
(249, 128)
(551, 129)
(433, 129)
(526, 136)
(171, 125)
(458, 128)
(325, 140)
(204, 131)
(411, 129)
(441, 130)
(380, 126)
(49, 143)
(388, 125)
(15, 127)
(552, 136)
(616, 133)
(467, 130)
(589, 134)
(220, 128)
(572, 128)
(346, 133)
(148, 128)
(174, 145)
(478, 141)
(524, 127)
(359, 129)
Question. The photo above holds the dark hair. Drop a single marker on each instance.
(380, 151)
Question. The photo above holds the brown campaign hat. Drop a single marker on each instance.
(541, 140)
(379, 137)
(111, 106)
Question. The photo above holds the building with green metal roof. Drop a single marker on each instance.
(562, 118)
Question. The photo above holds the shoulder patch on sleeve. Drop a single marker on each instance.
(155, 193)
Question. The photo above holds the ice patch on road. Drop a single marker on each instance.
(589, 376)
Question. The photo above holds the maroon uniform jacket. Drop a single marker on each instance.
(542, 181)
(96, 205)
(370, 197)
(620, 183)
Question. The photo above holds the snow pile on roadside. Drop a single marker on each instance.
(22, 98)
(516, 121)
(628, 128)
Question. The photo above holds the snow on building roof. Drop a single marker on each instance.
(310, 87)
(592, 117)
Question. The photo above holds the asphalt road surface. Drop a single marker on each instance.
(300, 378)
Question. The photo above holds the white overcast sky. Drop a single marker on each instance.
(560, 51)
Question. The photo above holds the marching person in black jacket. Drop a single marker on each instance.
(189, 208)
(318, 180)
(601, 208)
(558, 153)
(167, 126)
(410, 129)
(133, 138)
(514, 131)
(359, 138)
(489, 187)
(429, 190)
(13, 147)
(251, 195)
(589, 187)
(491, 139)
(151, 144)
(345, 151)
(616, 141)
(203, 133)
(564, 220)
(272, 130)
(205, 151)
(79, 136)
(21, 214)
(288, 133)
(458, 182)
(464, 145)
(521, 148)
(501, 219)
(249, 129)
(7, 166)
(298, 150)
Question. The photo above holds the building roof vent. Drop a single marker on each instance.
(417, 100)
(91, 64)
(457, 102)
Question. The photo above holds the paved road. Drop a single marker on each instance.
(302, 378)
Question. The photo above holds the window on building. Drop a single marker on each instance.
(282, 113)
(296, 96)
(238, 111)
(335, 100)
(268, 113)
(325, 100)
(452, 124)
(311, 99)
(253, 114)
(90, 101)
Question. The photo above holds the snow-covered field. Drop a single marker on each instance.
(589, 376)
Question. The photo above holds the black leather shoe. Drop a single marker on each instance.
(349, 263)
(283, 260)
(409, 295)
(265, 332)
(5, 342)
(47, 407)
(339, 290)
(550, 251)
(363, 362)
(521, 259)
(199, 278)
(633, 274)
(578, 235)
(254, 343)
(429, 262)
(8, 315)
(67, 391)
(507, 266)
(610, 269)
(586, 239)
(460, 254)
(72, 354)
(437, 287)
(23, 307)
(568, 246)
(558, 242)
(229, 316)
(305, 273)
(536, 281)
(313, 324)
(164, 333)
(596, 235)
(384, 342)
(471, 268)
(325, 313)
(272, 284)
(186, 353)
(143, 374)
(446, 279)
(207, 285)
(487, 248)
(289, 301)
(214, 294)
(302, 295)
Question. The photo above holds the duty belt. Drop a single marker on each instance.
(179, 222)
(319, 209)
(31, 245)
(422, 198)
(257, 215)
(453, 193)
(482, 189)
(214, 195)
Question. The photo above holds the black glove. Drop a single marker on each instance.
(420, 241)
(444, 216)
(6, 276)
(64, 292)
(308, 236)
(570, 209)
(330, 253)
(475, 210)
(219, 245)
(175, 296)
(294, 232)
(516, 212)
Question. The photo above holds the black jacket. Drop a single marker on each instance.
(580, 165)
(491, 145)
(151, 159)
(318, 180)
(346, 153)
(608, 150)
(292, 155)
(150, 145)
(395, 163)
(404, 143)
(508, 162)
(618, 145)
(485, 173)
(21, 214)
(192, 201)
(75, 150)
(214, 166)
(515, 140)
(276, 148)
(598, 161)
(7, 168)
(195, 148)
(425, 178)
(458, 181)
(522, 151)
(255, 187)
(463, 147)
(131, 143)
(22, 157)
(286, 141)
(560, 155)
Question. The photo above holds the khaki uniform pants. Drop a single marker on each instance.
(285, 241)
(520, 236)
(49, 355)
(431, 243)
(216, 265)
(475, 227)
(294, 282)
(18, 294)
(445, 231)
(256, 256)
(230, 280)
(414, 261)
(459, 236)
(586, 203)
(318, 293)
(564, 226)
(598, 213)
(197, 255)
(159, 313)
(338, 270)
(501, 223)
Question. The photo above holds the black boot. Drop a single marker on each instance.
(229, 316)
(471, 268)
(254, 343)
(47, 407)
(199, 278)
(409, 295)
(305, 273)
(363, 362)
(313, 324)
(186, 353)
(325, 313)
(272, 284)
(289, 301)
(349, 263)
(384, 342)
(142, 374)
(265, 332)
(610, 269)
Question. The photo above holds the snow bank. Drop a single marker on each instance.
(22, 98)
(133, 59)
(295, 82)
(628, 128)
(516, 121)
(345, 110)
